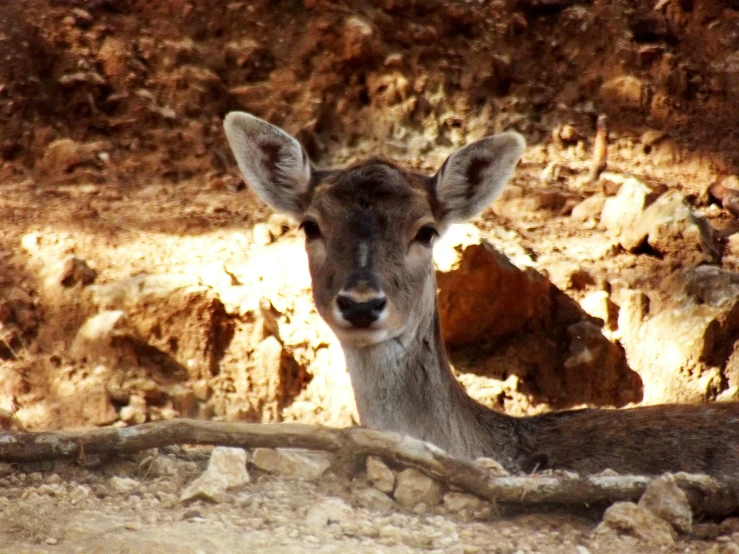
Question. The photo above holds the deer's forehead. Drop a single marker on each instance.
(372, 193)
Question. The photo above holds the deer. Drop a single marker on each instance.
(369, 232)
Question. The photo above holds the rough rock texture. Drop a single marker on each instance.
(379, 475)
(622, 213)
(665, 499)
(226, 470)
(298, 464)
(196, 328)
(483, 297)
(689, 334)
(673, 230)
(627, 518)
(328, 511)
(414, 488)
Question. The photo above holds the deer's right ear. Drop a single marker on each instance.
(272, 162)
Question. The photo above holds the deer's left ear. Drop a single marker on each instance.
(272, 162)
(475, 175)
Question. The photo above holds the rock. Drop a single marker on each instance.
(379, 475)
(63, 155)
(588, 209)
(75, 270)
(83, 17)
(590, 352)
(278, 224)
(631, 519)
(261, 235)
(483, 295)
(72, 80)
(652, 136)
(459, 501)
(226, 469)
(114, 54)
(373, 500)
(188, 342)
(599, 304)
(135, 412)
(184, 401)
(85, 404)
(242, 52)
(621, 213)
(665, 499)
(298, 464)
(327, 511)
(413, 488)
(124, 485)
(625, 91)
(725, 191)
(567, 133)
(683, 347)
(111, 340)
(674, 230)
(359, 39)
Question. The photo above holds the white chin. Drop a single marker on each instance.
(360, 338)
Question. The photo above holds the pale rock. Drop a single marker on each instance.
(373, 500)
(622, 212)
(625, 91)
(327, 511)
(79, 493)
(413, 487)
(359, 38)
(226, 469)
(590, 353)
(458, 501)
(379, 475)
(124, 485)
(261, 235)
(74, 270)
(627, 518)
(65, 154)
(588, 209)
(173, 348)
(278, 224)
(665, 499)
(599, 304)
(292, 463)
(673, 229)
(135, 412)
(669, 345)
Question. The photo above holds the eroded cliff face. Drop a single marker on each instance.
(141, 279)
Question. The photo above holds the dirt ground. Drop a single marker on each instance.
(141, 279)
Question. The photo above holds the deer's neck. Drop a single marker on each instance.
(406, 385)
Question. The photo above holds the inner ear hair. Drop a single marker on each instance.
(272, 162)
(475, 175)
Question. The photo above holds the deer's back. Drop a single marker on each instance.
(646, 440)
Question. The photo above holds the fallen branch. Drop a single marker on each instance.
(355, 443)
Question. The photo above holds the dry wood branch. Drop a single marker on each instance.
(355, 443)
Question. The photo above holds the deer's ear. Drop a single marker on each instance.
(475, 175)
(272, 162)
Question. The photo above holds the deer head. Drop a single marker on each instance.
(369, 229)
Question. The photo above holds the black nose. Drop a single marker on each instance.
(360, 314)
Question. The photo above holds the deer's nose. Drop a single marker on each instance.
(363, 313)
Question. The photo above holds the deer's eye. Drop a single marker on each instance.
(311, 229)
(426, 235)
